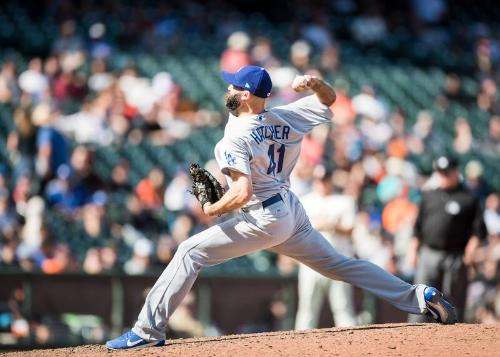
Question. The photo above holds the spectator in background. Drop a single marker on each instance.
(99, 260)
(94, 222)
(474, 180)
(100, 79)
(68, 41)
(429, 11)
(332, 214)
(492, 214)
(82, 166)
(21, 142)
(165, 28)
(138, 215)
(262, 54)
(343, 107)
(25, 187)
(165, 249)
(300, 55)
(68, 86)
(367, 104)
(452, 91)
(177, 198)
(423, 138)
(150, 190)
(369, 245)
(32, 233)
(348, 144)
(491, 144)
(61, 193)
(4, 176)
(92, 262)
(370, 27)
(62, 260)
(98, 46)
(484, 293)
(19, 325)
(282, 78)
(141, 258)
(236, 54)
(183, 323)
(317, 32)
(88, 126)
(33, 82)
(52, 149)
(397, 120)
(483, 52)
(9, 89)
(447, 233)
(301, 177)
(109, 257)
(488, 98)
(51, 69)
(74, 185)
(313, 145)
(329, 61)
(375, 132)
(8, 219)
(398, 218)
(464, 141)
(8, 253)
(120, 183)
(182, 228)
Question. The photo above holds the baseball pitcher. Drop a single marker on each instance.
(257, 153)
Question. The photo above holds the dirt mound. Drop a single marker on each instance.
(376, 340)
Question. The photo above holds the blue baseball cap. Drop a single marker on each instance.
(254, 79)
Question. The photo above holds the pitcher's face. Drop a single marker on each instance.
(232, 98)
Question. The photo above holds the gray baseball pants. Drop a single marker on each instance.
(283, 228)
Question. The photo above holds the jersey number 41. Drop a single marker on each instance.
(272, 169)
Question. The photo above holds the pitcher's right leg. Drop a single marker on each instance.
(227, 240)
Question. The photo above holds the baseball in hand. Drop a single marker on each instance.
(302, 83)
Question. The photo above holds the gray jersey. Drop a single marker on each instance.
(267, 146)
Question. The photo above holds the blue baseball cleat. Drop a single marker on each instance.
(130, 340)
(440, 308)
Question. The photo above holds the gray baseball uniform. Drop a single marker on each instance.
(267, 146)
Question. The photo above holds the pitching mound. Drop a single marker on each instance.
(377, 340)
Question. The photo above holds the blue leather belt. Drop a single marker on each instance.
(271, 200)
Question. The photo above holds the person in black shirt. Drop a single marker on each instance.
(447, 232)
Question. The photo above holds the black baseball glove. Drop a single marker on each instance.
(205, 187)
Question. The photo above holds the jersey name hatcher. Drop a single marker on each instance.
(263, 132)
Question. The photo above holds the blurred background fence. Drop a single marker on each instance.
(91, 307)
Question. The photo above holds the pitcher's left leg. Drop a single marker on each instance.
(312, 249)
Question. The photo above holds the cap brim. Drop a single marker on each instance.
(229, 77)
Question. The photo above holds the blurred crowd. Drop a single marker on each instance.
(69, 102)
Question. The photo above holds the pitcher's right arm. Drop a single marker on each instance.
(324, 91)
